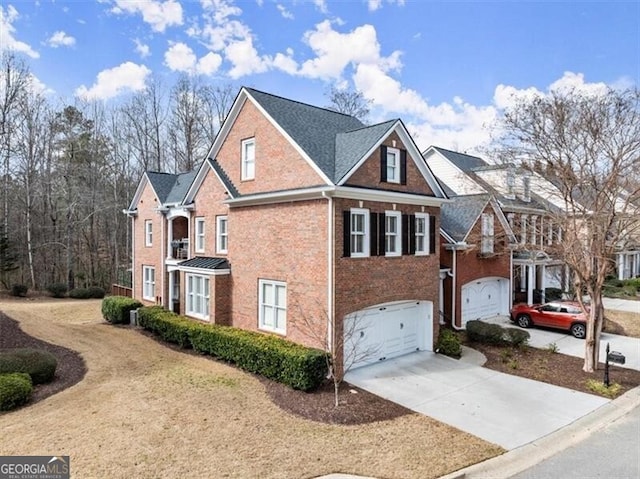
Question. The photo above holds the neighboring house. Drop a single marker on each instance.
(302, 222)
(533, 268)
(475, 252)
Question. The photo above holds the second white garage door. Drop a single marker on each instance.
(386, 331)
(484, 298)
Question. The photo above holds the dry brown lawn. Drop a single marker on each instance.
(629, 321)
(144, 410)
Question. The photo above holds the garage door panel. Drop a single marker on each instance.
(484, 298)
(388, 331)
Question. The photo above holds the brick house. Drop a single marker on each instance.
(301, 222)
(475, 257)
(525, 201)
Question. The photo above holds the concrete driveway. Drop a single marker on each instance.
(567, 344)
(507, 410)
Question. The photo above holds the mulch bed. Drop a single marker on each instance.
(553, 368)
(71, 367)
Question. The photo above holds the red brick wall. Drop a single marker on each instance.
(148, 255)
(278, 164)
(368, 174)
(471, 267)
(363, 282)
(283, 242)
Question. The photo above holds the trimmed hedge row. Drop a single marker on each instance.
(297, 366)
(489, 333)
(115, 309)
(15, 390)
(40, 365)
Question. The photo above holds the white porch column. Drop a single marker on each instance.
(169, 305)
(443, 275)
(567, 279)
(523, 277)
(531, 281)
(620, 266)
(169, 239)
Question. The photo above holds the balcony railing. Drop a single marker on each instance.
(180, 249)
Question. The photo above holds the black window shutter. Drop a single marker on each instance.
(405, 234)
(403, 167)
(382, 226)
(432, 234)
(373, 234)
(346, 233)
(383, 163)
(412, 234)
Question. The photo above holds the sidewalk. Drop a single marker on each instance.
(621, 305)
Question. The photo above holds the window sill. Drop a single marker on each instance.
(279, 332)
(198, 316)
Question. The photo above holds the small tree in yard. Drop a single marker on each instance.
(587, 145)
(343, 350)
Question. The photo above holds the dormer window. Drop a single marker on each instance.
(526, 188)
(248, 159)
(393, 165)
(487, 241)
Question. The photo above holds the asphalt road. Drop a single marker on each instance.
(612, 453)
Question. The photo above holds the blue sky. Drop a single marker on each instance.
(446, 68)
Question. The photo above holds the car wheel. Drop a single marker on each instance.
(524, 320)
(578, 330)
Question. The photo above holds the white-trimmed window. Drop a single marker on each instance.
(272, 306)
(392, 233)
(393, 165)
(248, 159)
(487, 242)
(359, 232)
(148, 233)
(422, 233)
(199, 233)
(197, 294)
(222, 234)
(149, 283)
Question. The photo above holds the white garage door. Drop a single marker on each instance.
(484, 298)
(386, 331)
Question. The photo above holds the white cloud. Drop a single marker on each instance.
(286, 63)
(142, 48)
(284, 12)
(112, 82)
(7, 33)
(180, 57)
(158, 14)
(321, 5)
(335, 51)
(570, 82)
(61, 39)
(245, 59)
(374, 5)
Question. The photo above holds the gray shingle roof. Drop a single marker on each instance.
(162, 184)
(205, 262)
(459, 216)
(314, 129)
(224, 177)
(351, 146)
(463, 161)
(171, 188)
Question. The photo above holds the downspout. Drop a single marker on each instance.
(330, 272)
(454, 280)
(162, 260)
(133, 256)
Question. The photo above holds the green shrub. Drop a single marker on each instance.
(57, 290)
(115, 309)
(449, 343)
(614, 282)
(515, 337)
(552, 294)
(489, 333)
(635, 282)
(275, 358)
(19, 290)
(15, 390)
(599, 387)
(37, 363)
(96, 292)
(79, 293)
(630, 290)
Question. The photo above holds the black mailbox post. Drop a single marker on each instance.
(615, 357)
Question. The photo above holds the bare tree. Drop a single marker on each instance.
(343, 346)
(217, 101)
(588, 148)
(349, 102)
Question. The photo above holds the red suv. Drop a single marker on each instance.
(565, 315)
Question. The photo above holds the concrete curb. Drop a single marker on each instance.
(524, 457)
